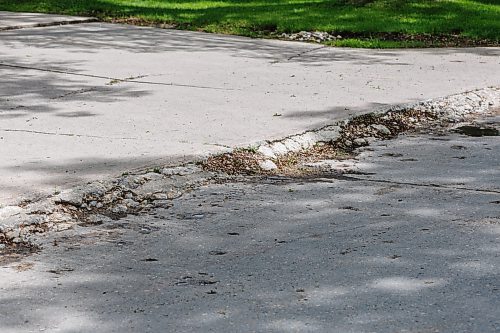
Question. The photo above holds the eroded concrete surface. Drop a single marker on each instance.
(406, 241)
(86, 101)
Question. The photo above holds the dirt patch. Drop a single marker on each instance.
(143, 23)
(241, 161)
(426, 40)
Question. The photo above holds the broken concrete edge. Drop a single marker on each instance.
(344, 137)
(453, 109)
(51, 24)
(100, 201)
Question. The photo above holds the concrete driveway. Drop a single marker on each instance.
(85, 101)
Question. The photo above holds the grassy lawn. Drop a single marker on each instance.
(362, 23)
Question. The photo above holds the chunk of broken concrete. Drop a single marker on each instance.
(268, 165)
(267, 152)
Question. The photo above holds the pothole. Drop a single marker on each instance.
(476, 131)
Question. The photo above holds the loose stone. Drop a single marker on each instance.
(267, 152)
(119, 209)
(360, 142)
(381, 129)
(268, 165)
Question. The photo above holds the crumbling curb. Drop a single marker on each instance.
(451, 109)
(101, 201)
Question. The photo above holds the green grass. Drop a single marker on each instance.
(365, 23)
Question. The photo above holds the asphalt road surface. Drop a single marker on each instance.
(406, 241)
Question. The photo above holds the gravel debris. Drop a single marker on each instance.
(422, 40)
(101, 202)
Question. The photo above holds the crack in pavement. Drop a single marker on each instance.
(350, 178)
(77, 92)
(113, 79)
(94, 89)
(128, 79)
(298, 55)
(305, 52)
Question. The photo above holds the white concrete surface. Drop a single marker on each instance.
(65, 116)
(12, 20)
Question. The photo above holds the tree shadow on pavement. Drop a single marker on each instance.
(93, 38)
(320, 255)
(47, 88)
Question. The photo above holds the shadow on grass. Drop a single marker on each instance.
(475, 19)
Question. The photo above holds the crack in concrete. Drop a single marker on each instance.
(68, 134)
(305, 52)
(113, 79)
(128, 79)
(298, 55)
(93, 89)
(77, 92)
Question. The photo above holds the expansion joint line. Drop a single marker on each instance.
(67, 134)
(112, 79)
